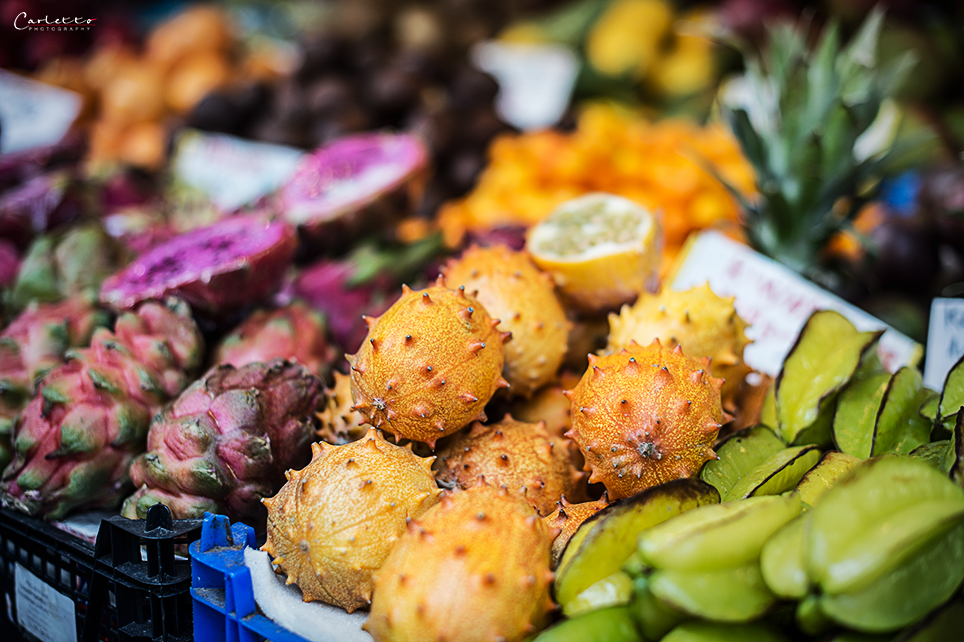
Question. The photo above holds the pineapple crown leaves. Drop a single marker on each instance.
(817, 125)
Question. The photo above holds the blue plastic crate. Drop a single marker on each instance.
(224, 606)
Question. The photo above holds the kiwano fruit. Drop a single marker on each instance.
(429, 365)
(645, 416)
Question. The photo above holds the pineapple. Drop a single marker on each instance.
(818, 126)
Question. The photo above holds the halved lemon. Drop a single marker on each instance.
(601, 250)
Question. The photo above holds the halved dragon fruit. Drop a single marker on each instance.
(217, 269)
(354, 185)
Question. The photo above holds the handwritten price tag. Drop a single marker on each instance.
(33, 114)
(945, 340)
(775, 301)
(48, 614)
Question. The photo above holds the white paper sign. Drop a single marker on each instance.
(33, 114)
(42, 610)
(776, 302)
(535, 80)
(230, 170)
(945, 340)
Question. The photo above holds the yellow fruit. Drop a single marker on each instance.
(568, 518)
(704, 324)
(474, 568)
(645, 416)
(513, 290)
(338, 422)
(429, 364)
(521, 456)
(601, 250)
(334, 522)
(627, 36)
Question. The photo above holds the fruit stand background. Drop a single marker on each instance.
(827, 136)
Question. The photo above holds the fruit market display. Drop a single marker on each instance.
(661, 166)
(492, 418)
(226, 441)
(335, 521)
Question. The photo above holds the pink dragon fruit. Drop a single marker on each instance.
(39, 205)
(227, 441)
(9, 263)
(293, 332)
(75, 440)
(34, 343)
(236, 262)
(365, 282)
(65, 264)
(353, 185)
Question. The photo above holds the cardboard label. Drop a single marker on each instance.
(775, 301)
(33, 114)
(232, 171)
(945, 340)
(42, 610)
(535, 80)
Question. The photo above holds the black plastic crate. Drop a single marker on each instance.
(132, 585)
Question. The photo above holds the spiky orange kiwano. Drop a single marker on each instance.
(429, 364)
(645, 416)
(338, 422)
(568, 518)
(474, 567)
(336, 520)
(512, 288)
(705, 324)
(521, 456)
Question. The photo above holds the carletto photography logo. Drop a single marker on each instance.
(23, 22)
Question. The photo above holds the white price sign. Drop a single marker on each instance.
(48, 614)
(535, 80)
(33, 114)
(945, 340)
(775, 301)
(232, 171)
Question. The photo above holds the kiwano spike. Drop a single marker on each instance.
(369, 320)
(506, 336)
(405, 289)
(426, 299)
(678, 349)
(697, 376)
(440, 281)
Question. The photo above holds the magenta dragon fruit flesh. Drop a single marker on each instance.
(236, 262)
(354, 185)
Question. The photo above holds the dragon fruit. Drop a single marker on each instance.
(291, 332)
(523, 457)
(335, 521)
(236, 262)
(338, 422)
(363, 282)
(353, 185)
(9, 263)
(697, 319)
(567, 519)
(645, 416)
(475, 567)
(64, 264)
(34, 343)
(430, 364)
(20, 166)
(40, 205)
(76, 438)
(225, 442)
(513, 289)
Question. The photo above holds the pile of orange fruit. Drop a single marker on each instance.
(672, 167)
